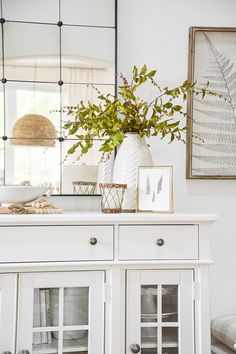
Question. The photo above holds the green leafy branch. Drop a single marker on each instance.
(114, 117)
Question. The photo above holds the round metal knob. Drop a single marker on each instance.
(93, 241)
(24, 351)
(6, 352)
(160, 242)
(135, 348)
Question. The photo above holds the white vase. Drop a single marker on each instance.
(105, 169)
(132, 153)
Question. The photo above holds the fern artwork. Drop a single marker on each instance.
(212, 121)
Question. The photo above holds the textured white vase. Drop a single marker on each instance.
(132, 153)
(105, 170)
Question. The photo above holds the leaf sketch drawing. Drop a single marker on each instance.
(148, 187)
(153, 197)
(215, 125)
(159, 185)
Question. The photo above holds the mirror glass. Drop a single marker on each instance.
(1, 110)
(95, 13)
(87, 54)
(22, 98)
(31, 10)
(35, 165)
(46, 65)
(31, 52)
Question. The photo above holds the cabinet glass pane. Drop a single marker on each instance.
(149, 303)
(31, 10)
(76, 307)
(31, 52)
(149, 340)
(46, 309)
(170, 338)
(75, 342)
(170, 351)
(45, 342)
(169, 303)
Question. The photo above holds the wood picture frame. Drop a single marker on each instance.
(211, 133)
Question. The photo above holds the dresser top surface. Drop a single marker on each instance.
(101, 218)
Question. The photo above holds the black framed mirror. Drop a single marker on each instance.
(52, 54)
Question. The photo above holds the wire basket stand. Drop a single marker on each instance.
(83, 187)
(112, 197)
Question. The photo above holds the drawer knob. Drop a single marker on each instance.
(24, 351)
(135, 348)
(93, 241)
(6, 352)
(160, 242)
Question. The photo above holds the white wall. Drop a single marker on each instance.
(155, 32)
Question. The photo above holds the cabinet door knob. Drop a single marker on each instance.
(160, 242)
(135, 348)
(6, 352)
(24, 351)
(93, 242)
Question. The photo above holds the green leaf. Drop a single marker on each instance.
(177, 108)
(135, 71)
(151, 73)
(143, 70)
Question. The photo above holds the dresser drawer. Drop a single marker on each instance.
(147, 242)
(56, 243)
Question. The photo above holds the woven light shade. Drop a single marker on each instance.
(34, 130)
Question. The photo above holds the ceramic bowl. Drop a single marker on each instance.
(18, 194)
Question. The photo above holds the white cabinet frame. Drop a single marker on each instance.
(8, 306)
(114, 279)
(92, 279)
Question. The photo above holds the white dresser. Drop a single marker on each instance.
(91, 283)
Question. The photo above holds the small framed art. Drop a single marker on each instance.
(155, 189)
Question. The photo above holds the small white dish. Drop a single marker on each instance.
(19, 194)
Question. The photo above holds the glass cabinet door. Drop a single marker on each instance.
(8, 291)
(160, 312)
(61, 313)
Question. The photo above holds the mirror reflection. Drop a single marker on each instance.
(95, 13)
(31, 52)
(48, 65)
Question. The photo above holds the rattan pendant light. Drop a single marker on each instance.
(34, 130)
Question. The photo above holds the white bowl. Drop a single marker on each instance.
(18, 194)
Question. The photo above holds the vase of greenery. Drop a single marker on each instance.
(126, 121)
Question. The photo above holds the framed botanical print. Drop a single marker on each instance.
(155, 189)
(211, 140)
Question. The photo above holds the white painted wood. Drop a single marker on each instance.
(182, 278)
(70, 218)
(8, 298)
(204, 241)
(62, 257)
(133, 302)
(140, 242)
(94, 280)
(25, 312)
(202, 311)
(55, 243)
(186, 312)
